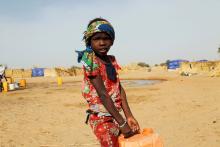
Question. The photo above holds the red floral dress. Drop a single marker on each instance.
(112, 87)
(103, 124)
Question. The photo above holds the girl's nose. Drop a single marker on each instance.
(102, 42)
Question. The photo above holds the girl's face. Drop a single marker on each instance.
(101, 43)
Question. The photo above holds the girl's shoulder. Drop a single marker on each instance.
(114, 62)
(112, 58)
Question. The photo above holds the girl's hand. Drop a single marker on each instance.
(133, 124)
(127, 131)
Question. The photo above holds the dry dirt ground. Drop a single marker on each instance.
(185, 111)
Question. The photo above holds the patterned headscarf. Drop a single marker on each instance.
(99, 26)
(87, 56)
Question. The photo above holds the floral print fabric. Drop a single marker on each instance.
(112, 87)
(106, 130)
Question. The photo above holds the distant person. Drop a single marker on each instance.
(2, 75)
(102, 88)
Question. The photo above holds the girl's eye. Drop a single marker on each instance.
(95, 38)
(106, 38)
(101, 38)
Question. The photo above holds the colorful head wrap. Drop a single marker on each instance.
(86, 57)
(99, 26)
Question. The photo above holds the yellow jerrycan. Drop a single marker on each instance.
(5, 86)
(59, 81)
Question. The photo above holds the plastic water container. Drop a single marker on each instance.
(11, 86)
(16, 85)
(59, 81)
(22, 83)
(147, 138)
(5, 86)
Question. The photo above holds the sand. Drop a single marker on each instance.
(185, 111)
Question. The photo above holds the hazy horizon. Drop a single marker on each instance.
(46, 33)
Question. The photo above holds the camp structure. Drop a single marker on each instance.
(50, 72)
(201, 67)
(175, 64)
(37, 72)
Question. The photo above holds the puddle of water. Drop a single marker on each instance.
(139, 82)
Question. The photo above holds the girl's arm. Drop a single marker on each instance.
(109, 105)
(132, 122)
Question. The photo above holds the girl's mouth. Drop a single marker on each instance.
(103, 50)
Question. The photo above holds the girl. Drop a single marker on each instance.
(102, 88)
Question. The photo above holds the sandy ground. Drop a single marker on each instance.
(185, 111)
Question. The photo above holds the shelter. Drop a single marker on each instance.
(174, 64)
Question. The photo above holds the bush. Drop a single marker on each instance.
(75, 67)
(142, 64)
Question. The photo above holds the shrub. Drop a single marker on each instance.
(142, 64)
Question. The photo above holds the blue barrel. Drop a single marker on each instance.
(37, 72)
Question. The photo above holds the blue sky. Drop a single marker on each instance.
(45, 33)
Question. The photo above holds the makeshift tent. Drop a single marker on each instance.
(174, 64)
(37, 72)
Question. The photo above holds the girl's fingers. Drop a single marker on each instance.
(135, 129)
